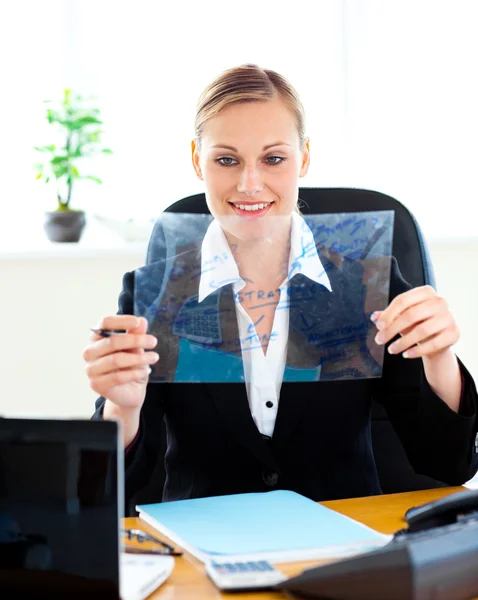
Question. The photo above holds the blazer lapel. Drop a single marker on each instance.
(328, 330)
(310, 313)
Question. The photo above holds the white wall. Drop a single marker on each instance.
(49, 304)
(411, 99)
(147, 63)
(388, 88)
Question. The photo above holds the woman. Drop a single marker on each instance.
(250, 150)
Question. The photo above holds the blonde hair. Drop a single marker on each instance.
(247, 83)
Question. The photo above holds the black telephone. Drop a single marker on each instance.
(445, 511)
(436, 557)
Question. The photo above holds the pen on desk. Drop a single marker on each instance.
(142, 536)
(136, 550)
(107, 332)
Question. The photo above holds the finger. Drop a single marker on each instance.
(142, 326)
(120, 361)
(118, 343)
(421, 333)
(435, 344)
(115, 322)
(408, 320)
(403, 301)
(102, 384)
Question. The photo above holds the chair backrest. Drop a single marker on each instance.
(409, 248)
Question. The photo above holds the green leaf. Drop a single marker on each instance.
(53, 116)
(81, 126)
(58, 160)
(39, 176)
(50, 148)
(82, 122)
(59, 171)
(93, 137)
(47, 179)
(92, 178)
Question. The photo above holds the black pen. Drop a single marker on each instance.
(142, 536)
(108, 332)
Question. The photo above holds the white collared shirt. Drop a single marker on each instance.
(263, 373)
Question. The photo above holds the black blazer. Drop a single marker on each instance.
(321, 446)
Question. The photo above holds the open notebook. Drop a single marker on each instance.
(141, 574)
(279, 526)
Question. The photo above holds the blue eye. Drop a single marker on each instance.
(277, 160)
(226, 161)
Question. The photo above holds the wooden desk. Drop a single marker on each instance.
(384, 513)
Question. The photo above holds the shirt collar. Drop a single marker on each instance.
(304, 258)
(218, 267)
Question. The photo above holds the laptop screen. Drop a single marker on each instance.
(59, 508)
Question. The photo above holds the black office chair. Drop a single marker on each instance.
(394, 470)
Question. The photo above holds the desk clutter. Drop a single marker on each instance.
(60, 509)
(236, 536)
(433, 558)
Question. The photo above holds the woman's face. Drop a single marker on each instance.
(250, 161)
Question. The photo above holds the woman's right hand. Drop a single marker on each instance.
(118, 366)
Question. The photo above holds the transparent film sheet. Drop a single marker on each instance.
(213, 326)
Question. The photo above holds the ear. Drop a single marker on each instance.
(305, 159)
(195, 159)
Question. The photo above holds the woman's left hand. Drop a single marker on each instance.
(424, 321)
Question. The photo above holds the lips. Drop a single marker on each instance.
(250, 209)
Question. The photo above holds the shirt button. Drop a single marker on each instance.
(270, 478)
(269, 404)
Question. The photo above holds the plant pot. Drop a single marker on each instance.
(65, 226)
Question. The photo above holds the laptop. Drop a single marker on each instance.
(61, 501)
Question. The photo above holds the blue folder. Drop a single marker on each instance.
(279, 526)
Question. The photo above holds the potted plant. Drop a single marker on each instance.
(78, 128)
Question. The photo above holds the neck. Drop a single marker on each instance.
(263, 259)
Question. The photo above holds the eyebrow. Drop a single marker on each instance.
(226, 147)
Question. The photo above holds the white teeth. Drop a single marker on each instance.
(251, 207)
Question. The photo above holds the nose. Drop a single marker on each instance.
(250, 181)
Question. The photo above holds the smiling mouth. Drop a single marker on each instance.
(260, 207)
